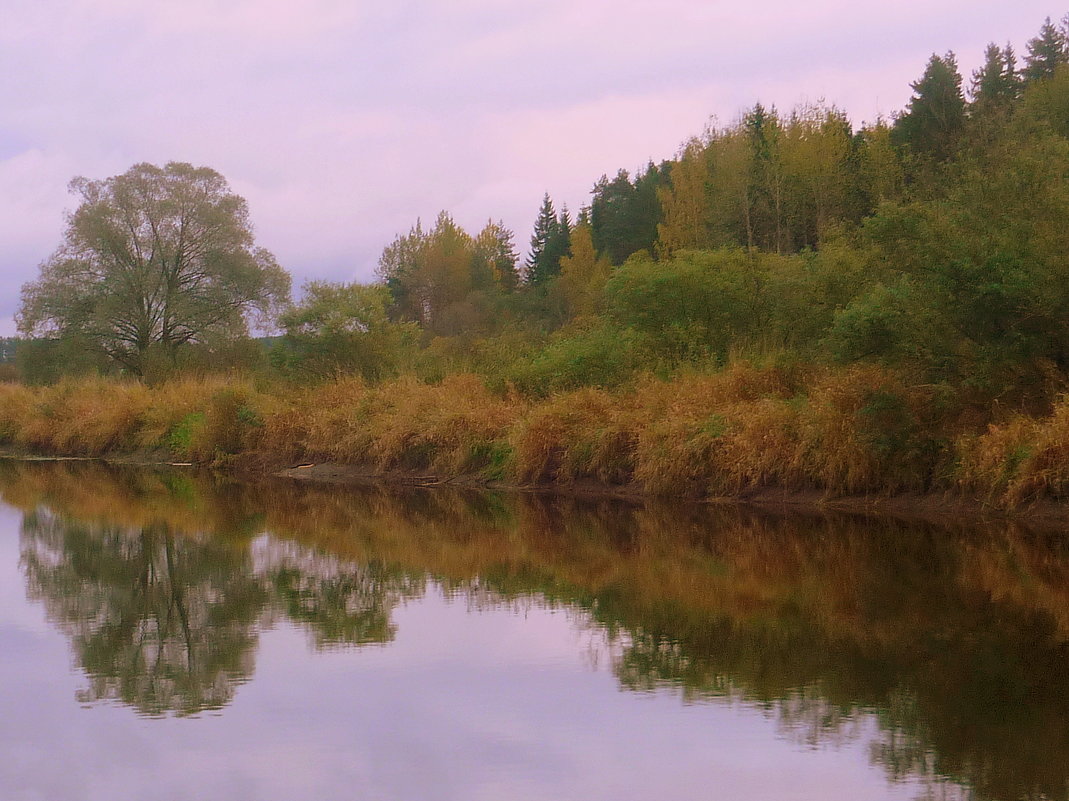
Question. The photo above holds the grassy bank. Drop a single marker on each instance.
(857, 430)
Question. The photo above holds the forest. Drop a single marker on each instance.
(792, 301)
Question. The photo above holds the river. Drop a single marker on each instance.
(168, 634)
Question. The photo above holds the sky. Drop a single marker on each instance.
(343, 121)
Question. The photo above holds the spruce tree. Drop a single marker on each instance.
(996, 83)
(610, 215)
(559, 244)
(543, 262)
(624, 214)
(936, 113)
(1046, 52)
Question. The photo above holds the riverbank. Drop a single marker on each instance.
(855, 438)
(944, 509)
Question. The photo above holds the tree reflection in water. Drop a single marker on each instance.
(160, 622)
(339, 603)
(947, 649)
(168, 622)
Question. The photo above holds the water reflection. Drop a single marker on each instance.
(157, 621)
(954, 642)
(339, 603)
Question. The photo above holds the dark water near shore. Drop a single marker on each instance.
(168, 635)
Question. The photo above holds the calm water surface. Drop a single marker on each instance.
(166, 635)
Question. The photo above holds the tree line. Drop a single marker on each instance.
(932, 242)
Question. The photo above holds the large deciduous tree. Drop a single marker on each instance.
(685, 202)
(583, 273)
(153, 260)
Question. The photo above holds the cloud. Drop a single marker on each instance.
(342, 121)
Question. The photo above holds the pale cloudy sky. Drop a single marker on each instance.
(342, 121)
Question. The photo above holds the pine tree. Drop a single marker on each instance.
(1046, 52)
(766, 190)
(996, 83)
(559, 244)
(936, 113)
(548, 243)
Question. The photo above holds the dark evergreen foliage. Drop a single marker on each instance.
(624, 214)
(996, 83)
(1046, 52)
(549, 243)
(934, 119)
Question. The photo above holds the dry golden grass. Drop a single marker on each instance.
(452, 427)
(81, 418)
(721, 433)
(1044, 470)
(1021, 461)
(861, 429)
(16, 408)
(172, 403)
(580, 434)
(989, 463)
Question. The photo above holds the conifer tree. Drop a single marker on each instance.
(560, 243)
(624, 214)
(996, 83)
(933, 121)
(646, 214)
(548, 243)
(544, 225)
(610, 215)
(1046, 52)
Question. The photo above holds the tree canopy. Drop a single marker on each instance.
(153, 260)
